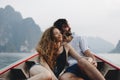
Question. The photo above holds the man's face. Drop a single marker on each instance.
(65, 27)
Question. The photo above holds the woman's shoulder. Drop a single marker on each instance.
(67, 45)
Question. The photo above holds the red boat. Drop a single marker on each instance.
(20, 69)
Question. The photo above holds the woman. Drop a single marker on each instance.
(53, 58)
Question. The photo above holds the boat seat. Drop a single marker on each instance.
(17, 74)
(28, 65)
(100, 65)
(113, 75)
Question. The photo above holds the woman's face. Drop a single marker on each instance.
(57, 35)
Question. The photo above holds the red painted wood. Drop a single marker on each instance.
(114, 66)
(13, 66)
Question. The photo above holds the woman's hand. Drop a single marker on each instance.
(94, 63)
(89, 59)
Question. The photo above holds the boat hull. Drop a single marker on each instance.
(20, 69)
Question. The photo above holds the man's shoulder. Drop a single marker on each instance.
(80, 37)
(76, 37)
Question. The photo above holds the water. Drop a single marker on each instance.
(114, 58)
(9, 58)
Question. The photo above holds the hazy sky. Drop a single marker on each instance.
(100, 18)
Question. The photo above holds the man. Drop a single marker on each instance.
(79, 43)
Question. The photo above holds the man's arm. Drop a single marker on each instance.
(88, 53)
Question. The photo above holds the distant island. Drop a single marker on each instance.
(99, 45)
(22, 35)
(117, 48)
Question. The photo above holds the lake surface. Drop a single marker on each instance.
(9, 58)
(114, 58)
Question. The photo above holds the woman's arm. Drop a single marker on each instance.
(43, 62)
(72, 52)
(84, 65)
(88, 53)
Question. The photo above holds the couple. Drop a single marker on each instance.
(53, 49)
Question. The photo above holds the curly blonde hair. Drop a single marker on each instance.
(47, 47)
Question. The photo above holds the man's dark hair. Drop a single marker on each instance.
(58, 24)
(67, 35)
